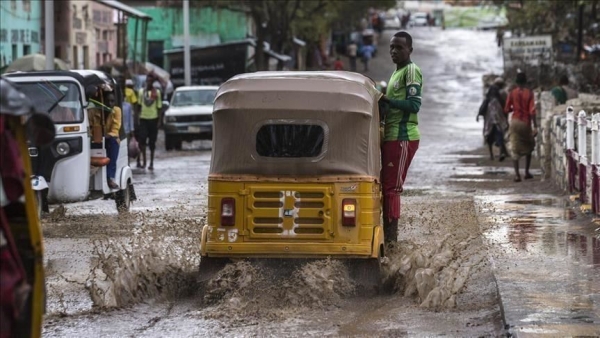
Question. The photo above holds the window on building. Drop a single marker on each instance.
(290, 140)
(26, 49)
(105, 35)
(27, 6)
(98, 60)
(75, 58)
(97, 34)
(86, 57)
(15, 52)
(57, 52)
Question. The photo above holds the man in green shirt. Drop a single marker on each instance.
(401, 134)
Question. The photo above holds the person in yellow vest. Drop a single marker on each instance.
(149, 108)
(130, 95)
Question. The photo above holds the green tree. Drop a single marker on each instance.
(278, 21)
(558, 18)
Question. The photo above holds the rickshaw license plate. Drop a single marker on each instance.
(194, 129)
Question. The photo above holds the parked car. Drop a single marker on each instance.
(392, 22)
(189, 116)
(419, 19)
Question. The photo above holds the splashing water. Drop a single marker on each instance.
(433, 274)
(246, 292)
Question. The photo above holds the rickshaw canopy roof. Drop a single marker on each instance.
(85, 77)
(255, 114)
(336, 92)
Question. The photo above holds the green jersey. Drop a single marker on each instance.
(404, 92)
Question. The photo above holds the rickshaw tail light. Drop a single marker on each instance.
(349, 212)
(228, 211)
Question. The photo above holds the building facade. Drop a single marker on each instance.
(105, 32)
(208, 26)
(20, 29)
(84, 33)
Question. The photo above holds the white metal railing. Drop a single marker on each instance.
(578, 162)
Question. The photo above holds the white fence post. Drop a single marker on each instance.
(595, 139)
(581, 136)
(570, 128)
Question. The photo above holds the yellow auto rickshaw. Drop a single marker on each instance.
(21, 247)
(295, 170)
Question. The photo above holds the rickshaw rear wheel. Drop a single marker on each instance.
(367, 274)
(123, 199)
(210, 266)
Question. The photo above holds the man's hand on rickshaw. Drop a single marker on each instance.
(384, 99)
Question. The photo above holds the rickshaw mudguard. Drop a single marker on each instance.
(126, 175)
(377, 241)
(203, 251)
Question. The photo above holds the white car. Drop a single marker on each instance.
(189, 116)
(392, 22)
(419, 19)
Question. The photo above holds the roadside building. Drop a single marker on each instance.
(84, 33)
(208, 27)
(105, 33)
(20, 29)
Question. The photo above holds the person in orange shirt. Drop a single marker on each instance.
(338, 65)
(523, 124)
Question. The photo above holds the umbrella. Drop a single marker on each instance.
(139, 70)
(116, 67)
(34, 62)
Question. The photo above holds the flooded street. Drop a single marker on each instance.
(476, 251)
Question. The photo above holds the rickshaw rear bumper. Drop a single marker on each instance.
(287, 250)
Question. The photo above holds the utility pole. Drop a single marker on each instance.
(187, 58)
(580, 34)
(49, 33)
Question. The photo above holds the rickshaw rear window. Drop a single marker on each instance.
(290, 140)
(59, 99)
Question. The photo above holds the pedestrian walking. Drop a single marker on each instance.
(562, 92)
(401, 132)
(367, 55)
(130, 95)
(523, 125)
(338, 64)
(352, 50)
(149, 108)
(495, 122)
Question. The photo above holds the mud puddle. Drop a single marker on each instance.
(547, 262)
(438, 280)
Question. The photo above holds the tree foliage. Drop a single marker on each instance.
(278, 21)
(558, 18)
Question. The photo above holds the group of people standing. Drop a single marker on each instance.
(140, 118)
(522, 129)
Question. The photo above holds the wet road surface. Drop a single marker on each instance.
(467, 232)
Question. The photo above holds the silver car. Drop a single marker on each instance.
(189, 116)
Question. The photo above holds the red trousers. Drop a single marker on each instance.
(396, 157)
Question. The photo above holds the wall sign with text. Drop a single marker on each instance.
(530, 50)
